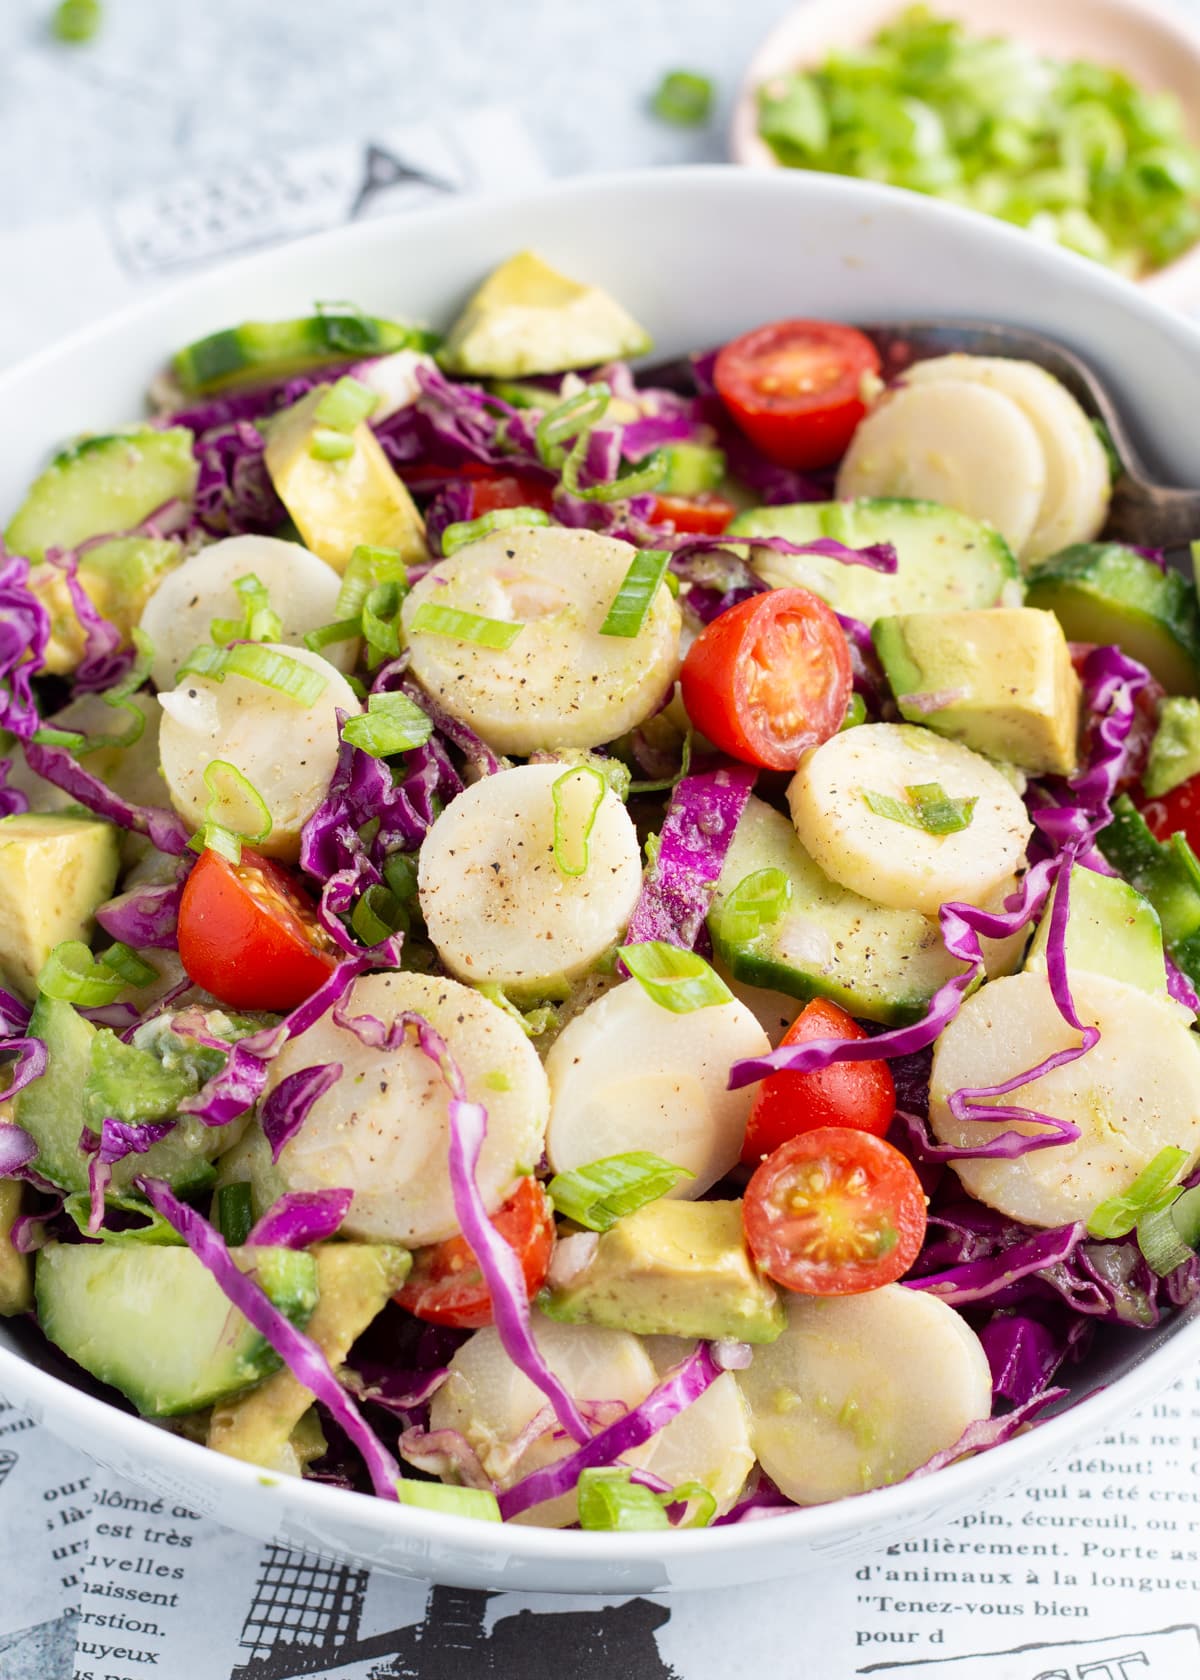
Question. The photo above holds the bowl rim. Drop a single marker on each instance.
(87, 1421)
(1176, 283)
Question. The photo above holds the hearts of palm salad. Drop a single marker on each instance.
(589, 951)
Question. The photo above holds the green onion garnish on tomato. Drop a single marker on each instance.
(676, 980)
(603, 1191)
(496, 633)
(633, 600)
(391, 724)
(256, 663)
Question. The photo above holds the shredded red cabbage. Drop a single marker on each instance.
(234, 492)
(300, 1218)
(30, 1063)
(17, 1148)
(1024, 1351)
(696, 835)
(989, 1432)
(147, 916)
(303, 1358)
(980, 1280)
(24, 634)
(162, 828)
(115, 1140)
(106, 659)
(287, 1106)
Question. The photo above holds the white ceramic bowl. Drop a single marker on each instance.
(697, 255)
(1157, 46)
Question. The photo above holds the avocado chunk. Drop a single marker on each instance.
(103, 484)
(1107, 593)
(16, 1270)
(355, 1282)
(154, 1323)
(118, 578)
(1175, 750)
(1111, 929)
(132, 772)
(338, 505)
(266, 350)
(1000, 681)
(673, 1269)
(943, 558)
(55, 869)
(527, 318)
(1167, 873)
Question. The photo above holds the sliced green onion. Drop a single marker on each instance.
(134, 970)
(496, 633)
(614, 771)
(327, 445)
(578, 795)
(684, 98)
(669, 782)
(258, 622)
(71, 974)
(76, 21)
(570, 420)
(479, 1503)
(341, 630)
(532, 1022)
(856, 713)
(1169, 1233)
(650, 473)
(467, 531)
(234, 803)
(368, 567)
(758, 900)
(1116, 1216)
(234, 1213)
(639, 586)
(377, 915)
(602, 1192)
(676, 980)
(700, 1501)
(381, 621)
(345, 404)
(609, 1500)
(391, 724)
(400, 873)
(926, 806)
(260, 664)
(118, 697)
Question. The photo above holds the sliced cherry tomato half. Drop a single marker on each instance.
(249, 934)
(796, 388)
(703, 515)
(860, 1095)
(834, 1212)
(508, 490)
(769, 678)
(1177, 812)
(446, 1285)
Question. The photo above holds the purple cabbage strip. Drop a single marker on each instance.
(225, 409)
(1024, 1352)
(696, 834)
(303, 1358)
(451, 506)
(115, 1140)
(106, 660)
(876, 557)
(686, 1383)
(14, 1015)
(406, 1394)
(988, 1432)
(300, 1218)
(1181, 988)
(162, 828)
(12, 801)
(30, 1064)
(17, 1148)
(234, 492)
(30, 1230)
(287, 1106)
(761, 1499)
(980, 1280)
(473, 748)
(147, 916)
(24, 634)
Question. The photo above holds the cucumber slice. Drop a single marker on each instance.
(1111, 929)
(52, 1110)
(1167, 873)
(262, 350)
(1105, 592)
(103, 484)
(152, 1322)
(944, 558)
(880, 964)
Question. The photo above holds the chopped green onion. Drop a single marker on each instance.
(72, 975)
(400, 873)
(234, 803)
(327, 445)
(926, 806)
(76, 21)
(609, 1500)
(381, 621)
(602, 1192)
(118, 697)
(366, 569)
(758, 900)
(479, 1503)
(345, 404)
(467, 531)
(134, 970)
(257, 624)
(570, 420)
(260, 664)
(578, 795)
(646, 476)
(341, 630)
(683, 98)
(234, 1213)
(1169, 1233)
(856, 713)
(532, 1022)
(669, 782)
(639, 586)
(676, 980)
(495, 633)
(377, 915)
(1116, 1216)
(614, 771)
(700, 1501)
(391, 724)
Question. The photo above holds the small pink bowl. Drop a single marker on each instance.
(1158, 49)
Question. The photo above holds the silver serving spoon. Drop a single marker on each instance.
(1141, 511)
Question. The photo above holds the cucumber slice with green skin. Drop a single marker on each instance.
(100, 485)
(692, 469)
(1111, 929)
(944, 558)
(879, 964)
(262, 350)
(152, 1322)
(1105, 592)
(52, 1110)
(1167, 873)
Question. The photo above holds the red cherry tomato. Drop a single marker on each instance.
(834, 1212)
(705, 515)
(1177, 812)
(446, 1285)
(796, 388)
(507, 490)
(860, 1095)
(249, 934)
(769, 678)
